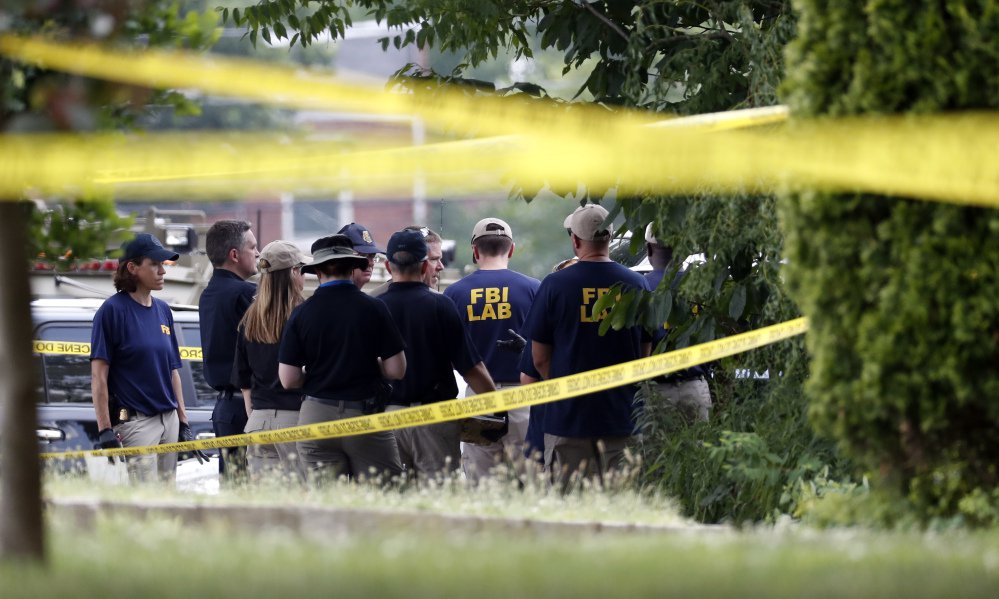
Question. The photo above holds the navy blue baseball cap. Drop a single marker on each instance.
(408, 241)
(361, 239)
(146, 246)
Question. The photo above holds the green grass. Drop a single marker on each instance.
(161, 557)
(158, 557)
(495, 499)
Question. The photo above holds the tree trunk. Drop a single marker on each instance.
(20, 473)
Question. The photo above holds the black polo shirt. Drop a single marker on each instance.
(222, 305)
(338, 334)
(256, 369)
(436, 341)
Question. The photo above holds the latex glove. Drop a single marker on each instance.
(186, 434)
(517, 344)
(108, 439)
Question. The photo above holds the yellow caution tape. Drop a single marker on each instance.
(733, 119)
(487, 403)
(77, 348)
(454, 111)
(949, 158)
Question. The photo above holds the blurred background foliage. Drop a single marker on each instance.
(33, 100)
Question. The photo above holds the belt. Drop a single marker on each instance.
(676, 379)
(338, 403)
(415, 404)
(126, 414)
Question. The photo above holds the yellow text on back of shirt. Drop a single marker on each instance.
(494, 304)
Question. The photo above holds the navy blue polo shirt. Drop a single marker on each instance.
(338, 335)
(436, 342)
(256, 369)
(654, 278)
(222, 305)
(491, 302)
(562, 316)
(140, 345)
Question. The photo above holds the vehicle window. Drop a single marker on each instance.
(66, 376)
(205, 394)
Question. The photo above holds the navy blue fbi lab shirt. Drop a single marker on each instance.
(562, 316)
(222, 305)
(436, 342)
(338, 334)
(491, 302)
(139, 345)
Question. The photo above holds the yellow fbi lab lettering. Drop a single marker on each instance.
(495, 304)
(165, 329)
(590, 295)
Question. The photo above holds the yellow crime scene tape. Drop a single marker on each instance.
(454, 111)
(948, 158)
(487, 403)
(82, 348)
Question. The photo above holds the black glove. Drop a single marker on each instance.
(108, 439)
(186, 434)
(517, 344)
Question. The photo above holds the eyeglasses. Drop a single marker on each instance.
(374, 258)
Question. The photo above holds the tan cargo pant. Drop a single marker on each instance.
(156, 429)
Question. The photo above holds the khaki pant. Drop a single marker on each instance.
(479, 461)
(691, 398)
(278, 462)
(431, 450)
(570, 460)
(151, 430)
(372, 456)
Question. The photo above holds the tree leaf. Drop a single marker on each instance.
(737, 304)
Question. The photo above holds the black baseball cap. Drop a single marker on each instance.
(408, 241)
(146, 246)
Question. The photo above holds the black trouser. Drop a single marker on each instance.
(229, 418)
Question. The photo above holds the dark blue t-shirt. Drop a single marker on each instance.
(562, 316)
(491, 302)
(338, 334)
(140, 345)
(436, 342)
(222, 305)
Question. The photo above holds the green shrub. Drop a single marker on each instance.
(901, 294)
(750, 460)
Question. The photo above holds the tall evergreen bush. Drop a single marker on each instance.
(902, 295)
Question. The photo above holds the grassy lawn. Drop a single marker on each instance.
(161, 557)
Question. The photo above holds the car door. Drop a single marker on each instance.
(66, 419)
